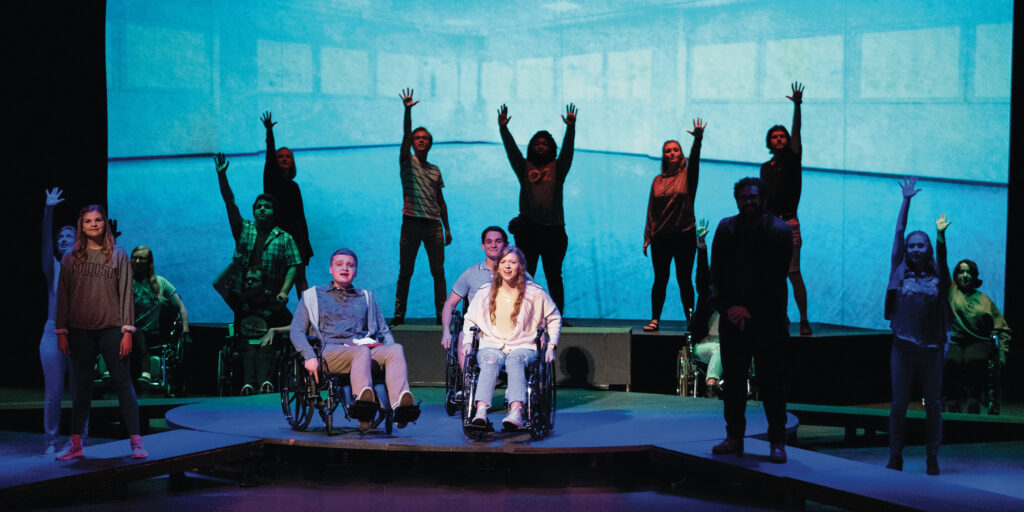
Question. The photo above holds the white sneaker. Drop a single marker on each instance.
(480, 418)
(514, 419)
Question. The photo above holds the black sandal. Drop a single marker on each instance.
(651, 327)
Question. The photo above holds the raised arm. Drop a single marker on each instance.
(693, 163)
(945, 281)
(406, 96)
(515, 157)
(908, 190)
(52, 199)
(797, 98)
(568, 141)
(271, 169)
(234, 216)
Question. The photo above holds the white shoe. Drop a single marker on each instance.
(480, 418)
(514, 419)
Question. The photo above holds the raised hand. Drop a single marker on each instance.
(698, 127)
(503, 117)
(907, 187)
(53, 196)
(407, 97)
(941, 223)
(702, 229)
(267, 123)
(798, 92)
(221, 162)
(113, 228)
(646, 244)
(570, 115)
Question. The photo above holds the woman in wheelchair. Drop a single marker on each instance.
(975, 319)
(157, 305)
(508, 313)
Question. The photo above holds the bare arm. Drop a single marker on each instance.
(446, 318)
(444, 218)
(797, 99)
(945, 281)
(289, 278)
(908, 190)
(406, 96)
(52, 199)
(181, 309)
(234, 216)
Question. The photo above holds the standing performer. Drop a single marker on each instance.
(917, 307)
(95, 315)
(749, 257)
(540, 227)
(975, 317)
(782, 174)
(422, 207)
(55, 362)
(278, 181)
(670, 223)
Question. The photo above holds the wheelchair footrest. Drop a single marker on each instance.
(473, 428)
(363, 410)
(408, 413)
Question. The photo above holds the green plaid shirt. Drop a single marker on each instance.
(280, 254)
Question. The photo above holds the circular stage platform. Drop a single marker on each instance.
(586, 422)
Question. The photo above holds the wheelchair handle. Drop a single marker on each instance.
(540, 340)
(476, 337)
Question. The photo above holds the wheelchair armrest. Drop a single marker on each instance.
(476, 337)
(541, 340)
(456, 324)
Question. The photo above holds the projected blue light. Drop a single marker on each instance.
(914, 87)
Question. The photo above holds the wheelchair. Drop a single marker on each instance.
(229, 358)
(693, 373)
(301, 395)
(166, 349)
(454, 397)
(539, 406)
(993, 389)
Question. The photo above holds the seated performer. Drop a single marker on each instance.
(508, 313)
(705, 318)
(975, 316)
(153, 296)
(354, 335)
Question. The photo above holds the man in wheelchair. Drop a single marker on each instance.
(353, 334)
(507, 314)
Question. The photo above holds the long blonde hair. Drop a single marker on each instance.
(78, 254)
(520, 282)
(154, 284)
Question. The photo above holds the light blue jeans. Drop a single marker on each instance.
(491, 360)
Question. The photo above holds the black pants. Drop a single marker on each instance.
(257, 364)
(549, 243)
(664, 248)
(414, 232)
(769, 353)
(85, 344)
(140, 357)
(966, 374)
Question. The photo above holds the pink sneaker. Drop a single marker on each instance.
(72, 450)
(138, 452)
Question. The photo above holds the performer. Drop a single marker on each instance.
(508, 313)
(917, 307)
(670, 228)
(782, 175)
(354, 334)
(423, 206)
(749, 258)
(975, 317)
(95, 315)
(152, 294)
(264, 247)
(540, 227)
(493, 241)
(705, 318)
(55, 362)
(279, 181)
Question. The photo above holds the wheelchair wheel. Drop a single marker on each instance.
(296, 393)
(224, 372)
(542, 419)
(454, 384)
(327, 414)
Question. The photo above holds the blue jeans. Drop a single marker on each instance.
(490, 360)
(912, 364)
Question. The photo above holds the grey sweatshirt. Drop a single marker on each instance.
(96, 294)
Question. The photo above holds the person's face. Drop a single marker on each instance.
(917, 248)
(253, 281)
(285, 159)
(263, 210)
(343, 270)
(778, 140)
(65, 241)
(140, 261)
(749, 201)
(94, 225)
(672, 153)
(508, 267)
(493, 244)
(962, 276)
(421, 141)
(540, 146)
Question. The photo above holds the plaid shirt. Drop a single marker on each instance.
(280, 254)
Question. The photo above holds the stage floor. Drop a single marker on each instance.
(586, 422)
